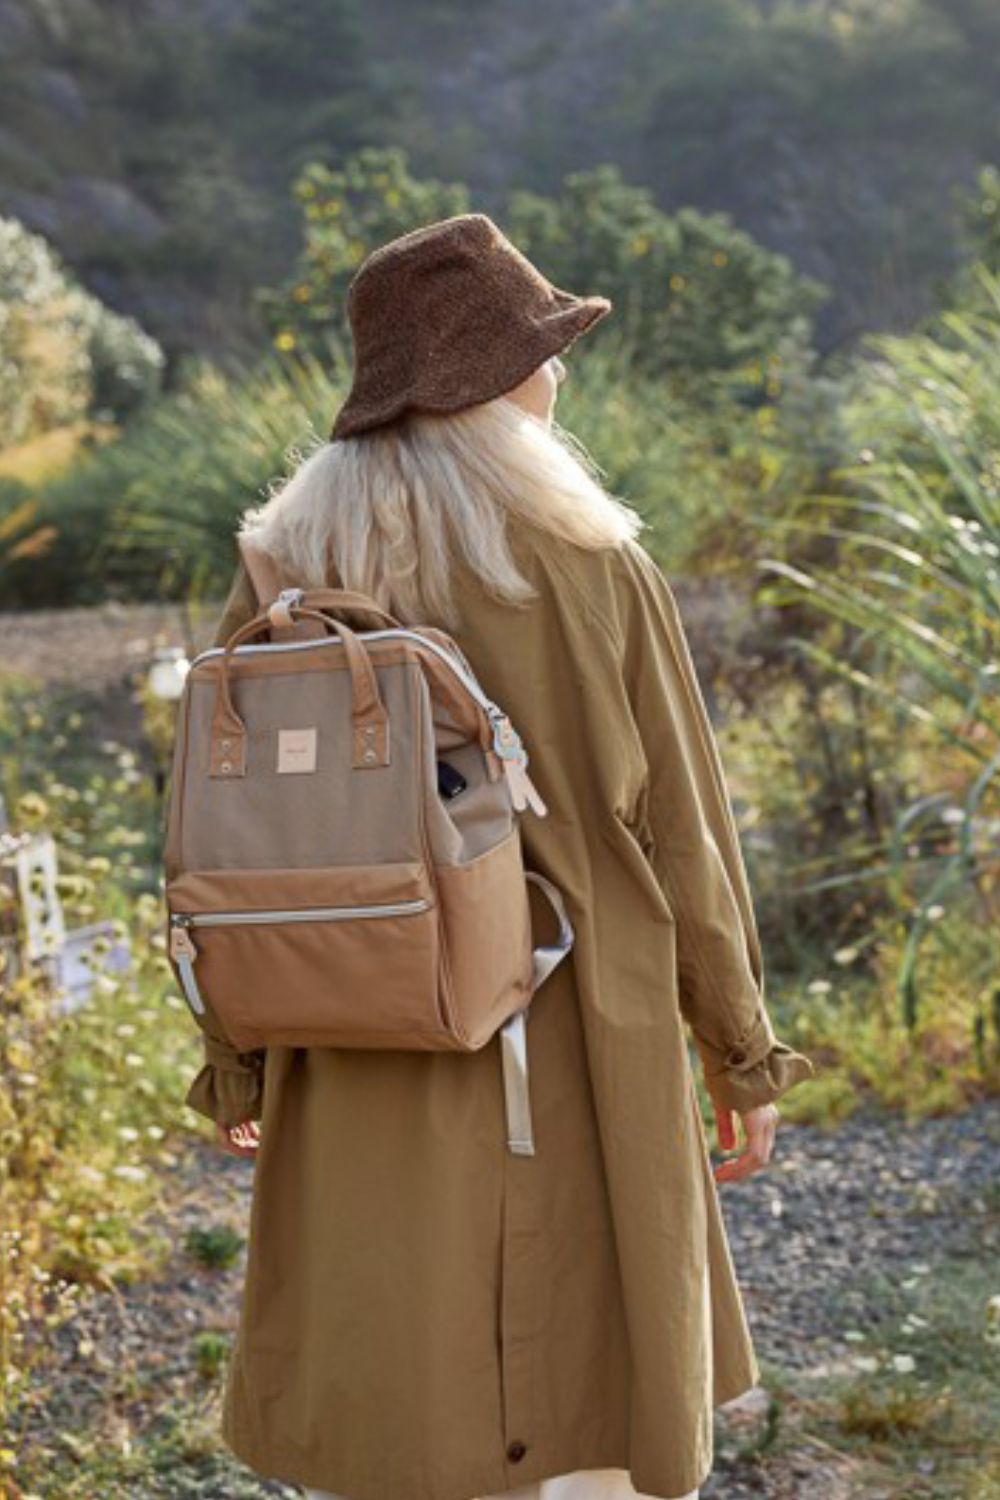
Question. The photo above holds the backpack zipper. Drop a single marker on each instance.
(184, 952)
(506, 741)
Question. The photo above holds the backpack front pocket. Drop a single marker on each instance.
(340, 957)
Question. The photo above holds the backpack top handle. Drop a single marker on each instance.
(369, 716)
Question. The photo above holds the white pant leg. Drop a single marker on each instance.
(582, 1484)
(595, 1484)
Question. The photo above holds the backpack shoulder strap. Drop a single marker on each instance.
(265, 574)
(268, 580)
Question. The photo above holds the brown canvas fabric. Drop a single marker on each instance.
(427, 1314)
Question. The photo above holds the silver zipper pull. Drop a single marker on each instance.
(183, 952)
(181, 941)
(513, 757)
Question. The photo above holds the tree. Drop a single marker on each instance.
(698, 295)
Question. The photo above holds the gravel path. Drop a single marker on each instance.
(837, 1219)
(96, 646)
(836, 1209)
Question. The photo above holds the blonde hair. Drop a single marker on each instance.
(387, 507)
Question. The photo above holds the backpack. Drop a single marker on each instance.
(342, 859)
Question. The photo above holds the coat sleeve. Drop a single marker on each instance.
(229, 1086)
(685, 823)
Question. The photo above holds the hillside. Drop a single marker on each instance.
(154, 142)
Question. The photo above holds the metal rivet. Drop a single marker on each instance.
(370, 755)
(227, 744)
(226, 766)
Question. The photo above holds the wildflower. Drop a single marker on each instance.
(131, 1174)
(904, 1364)
(845, 956)
(992, 1330)
(31, 806)
(819, 987)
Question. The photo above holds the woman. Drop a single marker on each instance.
(426, 1315)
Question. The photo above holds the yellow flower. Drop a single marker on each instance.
(302, 293)
(720, 258)
(285, 340)
(392, 198)
(641, 244)
(677, 283)
(31, 806)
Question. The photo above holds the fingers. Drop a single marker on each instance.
(725, 1127)
(759, 1126)
(239, 1140)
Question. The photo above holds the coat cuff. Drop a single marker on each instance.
(756, 1068)
(229, 1087)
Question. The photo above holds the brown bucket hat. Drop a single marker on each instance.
(448, 316)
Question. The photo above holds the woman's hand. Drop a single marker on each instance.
(239, 1140)
(759, 1126)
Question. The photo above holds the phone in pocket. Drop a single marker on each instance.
(450, 781)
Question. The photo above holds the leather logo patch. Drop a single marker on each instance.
(296, 750)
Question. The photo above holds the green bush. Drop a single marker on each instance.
(695, 295)
(152, 515)
(63, 355)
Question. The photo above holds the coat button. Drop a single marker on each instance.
(737, 1055)
(516, 1452)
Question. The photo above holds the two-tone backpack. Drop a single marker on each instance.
(343, 861)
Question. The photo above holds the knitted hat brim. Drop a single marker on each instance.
(550, 335)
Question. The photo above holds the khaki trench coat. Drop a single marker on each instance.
(427, 1316)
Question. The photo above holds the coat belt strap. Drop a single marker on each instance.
(513, 1033)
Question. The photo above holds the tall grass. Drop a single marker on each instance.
(152, 514)
(89, 1098)
(905, 555)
